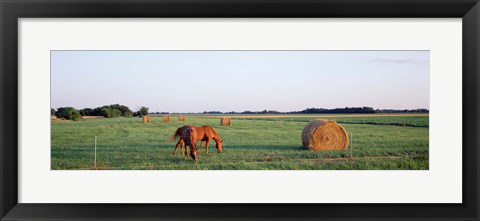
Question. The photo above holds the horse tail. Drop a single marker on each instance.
(177, 133)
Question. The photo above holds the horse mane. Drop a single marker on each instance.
(215, 137)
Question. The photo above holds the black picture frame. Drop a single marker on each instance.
(12, 10)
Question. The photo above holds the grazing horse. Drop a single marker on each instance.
(189, 137)
(205, 134)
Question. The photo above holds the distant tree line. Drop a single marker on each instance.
(420, 110)
(107, 111)
(163, 113)
(346, 110)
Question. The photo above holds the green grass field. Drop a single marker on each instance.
(250, 143)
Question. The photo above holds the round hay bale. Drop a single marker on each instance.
(166, 119)
(146, 119)
(324, 135)
(225, 121)
(181, 118)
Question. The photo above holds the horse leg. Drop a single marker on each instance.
(186, 154)
(201, 142)
(198, 151)
(182, 145)
(193, 151)
(176, 147)
(206, 145)
(185, 147)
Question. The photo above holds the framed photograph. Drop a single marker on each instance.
(173, 110)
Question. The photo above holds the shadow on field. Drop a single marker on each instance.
(261, 147)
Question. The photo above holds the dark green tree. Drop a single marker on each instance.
(137, 114)
(109, 112)
(125, 111)
(68, 113)
(144, 111)
(97, 112)
(52, 111)
(86, 112)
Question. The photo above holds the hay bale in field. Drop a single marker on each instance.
(324, 135)
(146, 119)
(225, 121)
(166, 119)
(181, 118)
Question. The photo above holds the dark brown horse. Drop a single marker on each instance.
(189, 136)
(204, 133)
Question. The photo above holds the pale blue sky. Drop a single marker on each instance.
(197, 81)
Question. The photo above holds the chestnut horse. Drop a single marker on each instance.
(204, 133)
(189, 137)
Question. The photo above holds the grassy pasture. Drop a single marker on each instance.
(380, 142)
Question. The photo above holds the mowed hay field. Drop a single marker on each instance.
(259, 142)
